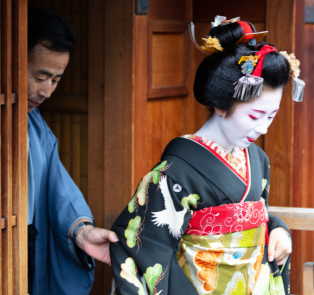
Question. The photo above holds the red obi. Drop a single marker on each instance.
(228, 218)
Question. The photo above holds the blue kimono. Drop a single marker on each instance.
(58, 205)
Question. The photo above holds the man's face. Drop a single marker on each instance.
(45, 69)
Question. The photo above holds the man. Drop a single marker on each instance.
(62, 233)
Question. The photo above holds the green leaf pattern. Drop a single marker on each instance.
(264, 182)
(128, 272)
(130, 232)
(141, 192)
(151, 276)
(191, 200)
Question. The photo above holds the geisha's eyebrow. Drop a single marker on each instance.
(259, 111)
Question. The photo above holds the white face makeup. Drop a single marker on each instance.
(248, 121)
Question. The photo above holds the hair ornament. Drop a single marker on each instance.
(294, 63)
(222, 20)
(249, 64)
(233, 20)
(218, 20)
(298, 84)
(211, 45)
(250, 86)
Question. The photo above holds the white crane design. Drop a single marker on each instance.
(169, 216)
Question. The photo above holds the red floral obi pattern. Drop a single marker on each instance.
(228, 218)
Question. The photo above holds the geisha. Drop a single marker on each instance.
(198, 222)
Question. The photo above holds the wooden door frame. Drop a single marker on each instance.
(110, 117)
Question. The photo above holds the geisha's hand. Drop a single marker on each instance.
(280, 246)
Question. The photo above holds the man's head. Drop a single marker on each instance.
(50, 42)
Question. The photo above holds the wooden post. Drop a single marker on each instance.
(308, 278)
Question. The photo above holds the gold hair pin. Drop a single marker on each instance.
(211, 45)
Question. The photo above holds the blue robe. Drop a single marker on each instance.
(58, 205)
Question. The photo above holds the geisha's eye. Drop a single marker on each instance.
(252, 117)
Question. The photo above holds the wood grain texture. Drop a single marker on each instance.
(65, 103)
(117, 119)
(19, 145)
(164, 122)
(168, 59)
(140, 70)
(170, 10)
(205, 11)
(75, 58)
(96, 123)
(295, 218)
(303, 148)
(279, 139)
(4, 223)
(308, 278)
(84, 47)
(6, 147)
(65, 83)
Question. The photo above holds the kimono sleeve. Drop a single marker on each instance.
(274, 221)
(66, 204)
(149, 230)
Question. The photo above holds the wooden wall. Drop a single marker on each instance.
(128, 91)
(303, 184)
(13, 152)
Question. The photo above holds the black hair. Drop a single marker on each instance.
(46, 27)
(218, 73)
(228, 34)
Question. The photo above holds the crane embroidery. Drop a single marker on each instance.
(169, 216)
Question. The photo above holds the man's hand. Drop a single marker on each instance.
(279, 246)
(95, 242)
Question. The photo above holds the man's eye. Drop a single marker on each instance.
(40, 80)
(271, 118)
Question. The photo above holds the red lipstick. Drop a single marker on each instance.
(250, 139)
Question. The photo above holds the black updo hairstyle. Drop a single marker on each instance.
(218, 73)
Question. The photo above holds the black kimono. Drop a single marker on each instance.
(154, 256)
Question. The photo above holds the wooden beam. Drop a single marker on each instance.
(308, 278)
(13, 98)
(279, 138)
(295, 218)
(19, 146)
(4, 223)
(96, 123)
(66, 103)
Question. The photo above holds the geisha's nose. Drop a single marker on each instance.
(261, 128)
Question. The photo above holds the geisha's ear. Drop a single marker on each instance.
(220, 112)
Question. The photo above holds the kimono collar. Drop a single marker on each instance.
(216, 172)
